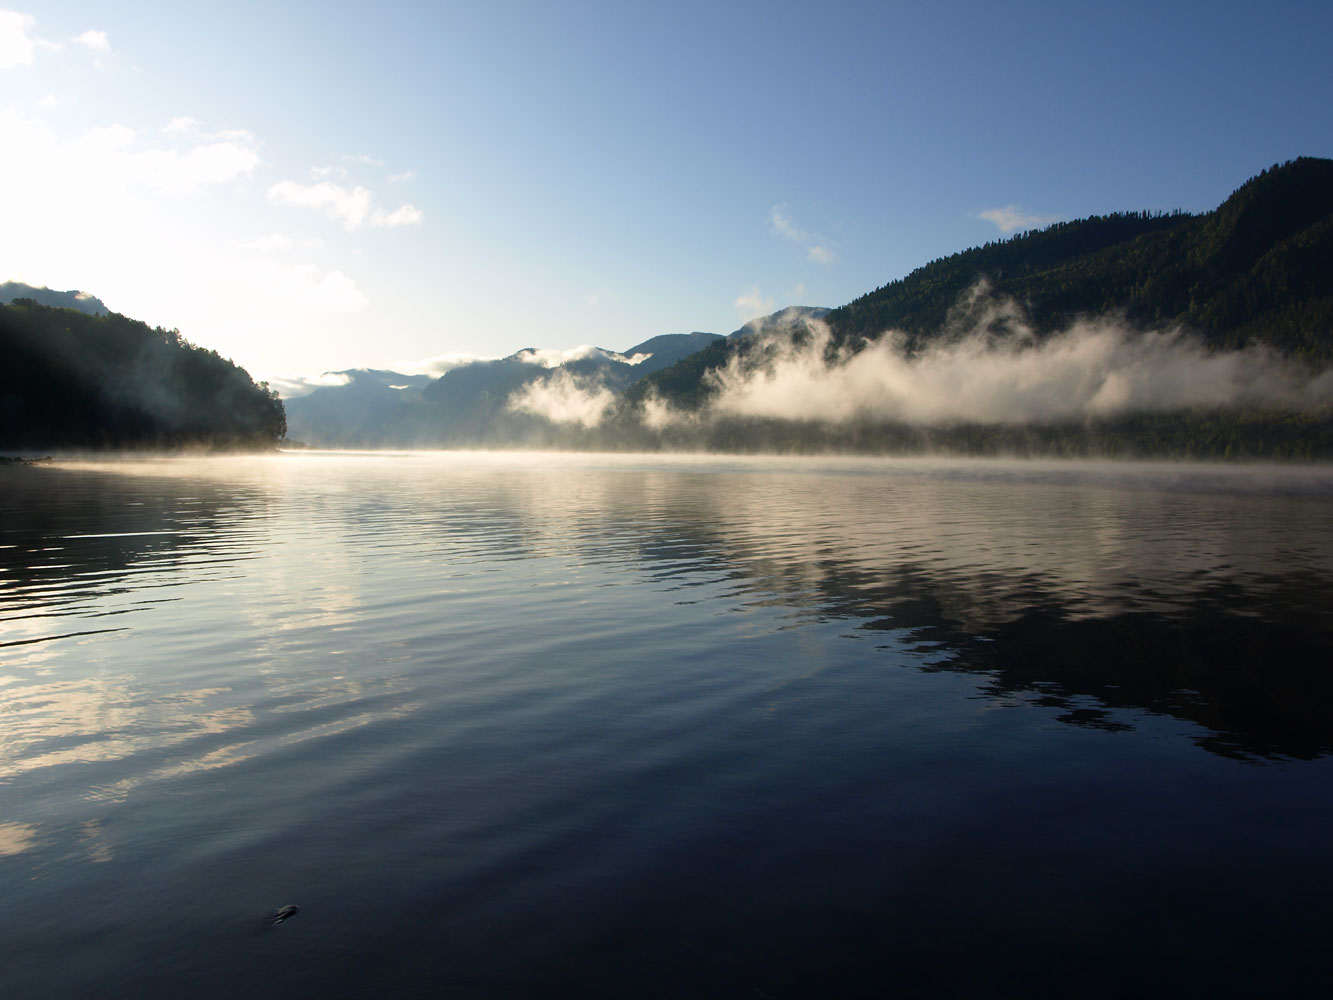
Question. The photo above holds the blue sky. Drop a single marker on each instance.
(315, 186)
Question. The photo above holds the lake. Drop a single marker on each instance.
(516, 725)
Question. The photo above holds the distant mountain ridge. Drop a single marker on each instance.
(82, 301)
(467, 402)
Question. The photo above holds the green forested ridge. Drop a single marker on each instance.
(69, 379)
(1258, 268)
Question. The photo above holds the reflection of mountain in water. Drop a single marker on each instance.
(1210, 607)
(1100, 592)
(1247, 663)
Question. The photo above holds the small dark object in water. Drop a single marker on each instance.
(290, 910)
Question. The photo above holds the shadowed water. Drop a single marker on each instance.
(508, 725)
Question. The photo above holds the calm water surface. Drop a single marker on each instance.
(510, 725)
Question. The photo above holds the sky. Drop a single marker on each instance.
(311, 187)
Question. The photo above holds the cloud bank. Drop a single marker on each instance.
(989, 367)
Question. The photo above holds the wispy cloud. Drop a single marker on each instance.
(815, 247)
(406, 175)
(94, 41)
(551, 357)
(354, 207)
(292, 386)
(751, 304)
(1011, 218)
(441, 363)
(564, 398)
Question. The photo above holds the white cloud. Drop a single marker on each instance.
(438, 365)
(182, 124)
(752, 305)
(115, 157)
(816, 248)
(406, 175)
(94, 41)
(353, 207)
(17, 46)
(174, 172)
(564, 398)
(403, 215)
(550, 357)
(1011, 218)
(292, 386)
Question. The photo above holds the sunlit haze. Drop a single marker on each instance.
(310, 187)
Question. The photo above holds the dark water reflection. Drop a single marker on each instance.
(580, 726)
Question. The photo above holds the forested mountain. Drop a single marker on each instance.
(70, 379)
(1258, 269)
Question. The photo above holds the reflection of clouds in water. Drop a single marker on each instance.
(102, 719)
(94, 839)
(348, 723)
(15, 838)
(118, 791)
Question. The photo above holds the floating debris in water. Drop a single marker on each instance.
(283, 912)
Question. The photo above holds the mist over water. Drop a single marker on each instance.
(986, 366)
(552, 725)
(1097, 368)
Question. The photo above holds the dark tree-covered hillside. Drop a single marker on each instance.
(73, 380)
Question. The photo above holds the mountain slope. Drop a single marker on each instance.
(69, 379)
(1258, 269)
